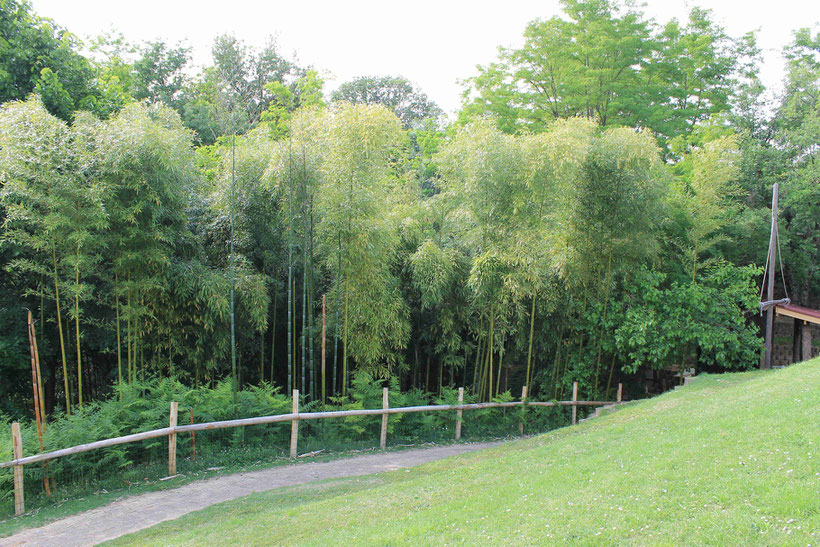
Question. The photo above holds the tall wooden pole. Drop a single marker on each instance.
(767, 358)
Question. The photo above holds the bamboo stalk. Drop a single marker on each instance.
(60, 332)
(37, 387)
(273, 336)
(77, 329)
(303, 333)
(128, 328)
(524, 404)
(490, 349)
(38, 417)
(324, 343)
(532, 332)
(500, 368)
(119, 339)
(344, 345)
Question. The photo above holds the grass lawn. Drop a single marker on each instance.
(730, 459)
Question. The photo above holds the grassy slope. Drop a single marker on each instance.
(730, 459)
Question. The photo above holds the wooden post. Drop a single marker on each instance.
(523, 400)
(805, 339)
(459, 413)
(574, 400)
(385, 406)
(769, 333)
(620, 392)
(17, 451)
(193, 434)
(294, 425)
(172, 440)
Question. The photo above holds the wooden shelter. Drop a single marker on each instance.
(803, 318)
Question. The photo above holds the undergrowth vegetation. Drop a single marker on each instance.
(144, 405)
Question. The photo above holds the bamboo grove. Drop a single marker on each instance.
(304, 243)
(122, 246)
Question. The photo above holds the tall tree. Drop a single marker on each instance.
(36, 51)
(409, 104)
(160, 73)
(604, 60)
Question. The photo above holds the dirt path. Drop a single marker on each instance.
(138, 512)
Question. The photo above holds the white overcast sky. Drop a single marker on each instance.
(432, 43)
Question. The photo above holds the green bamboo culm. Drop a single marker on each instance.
(234, 377)
(529, 352)
(273, 335)
(60, 332)
(119, 341)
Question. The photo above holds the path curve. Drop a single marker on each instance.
(136, 513)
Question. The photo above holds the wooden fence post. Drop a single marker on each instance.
(294, 425)
(17, 451)
(193, 434)
(524, 406)
(459, 413)
(172, 440)
(385, 406)
(620, 392)
(574, 400)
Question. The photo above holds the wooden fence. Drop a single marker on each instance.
(294, 418)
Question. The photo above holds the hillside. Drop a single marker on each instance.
(729, 459)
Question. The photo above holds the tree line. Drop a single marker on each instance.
(599, 208)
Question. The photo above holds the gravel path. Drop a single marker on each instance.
(135, 513)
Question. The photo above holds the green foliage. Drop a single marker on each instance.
(37, 55)
(551, 238)
(605, 61)
(410, 105)
(707, 317)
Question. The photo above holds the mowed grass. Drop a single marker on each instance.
(727, 460)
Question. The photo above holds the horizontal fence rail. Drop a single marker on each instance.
(294, 417)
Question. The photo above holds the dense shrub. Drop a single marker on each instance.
(142, 406)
